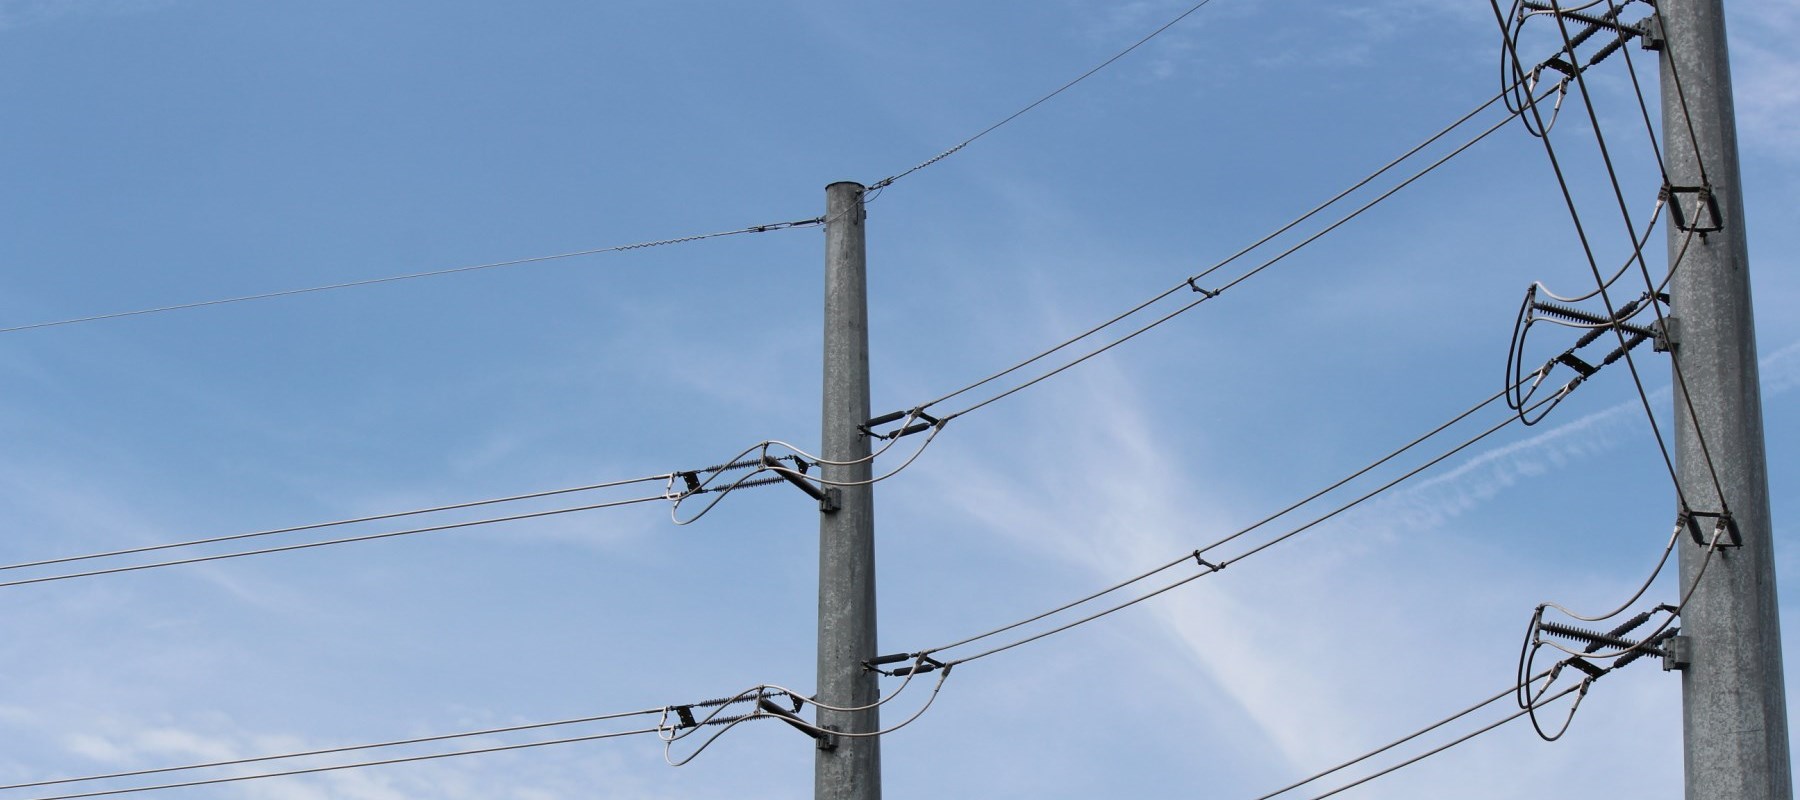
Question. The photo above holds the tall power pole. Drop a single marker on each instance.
(1733, 709)
(846, 767)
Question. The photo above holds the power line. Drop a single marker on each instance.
(1529, 707)
(1208, 567)
(1191, 283)
(1400, 741)
(877, 186)
(331, 524)
(1569, 44)
(775, 226)
(1618, 191)
(692, 484)
(334, 750)
(1579, 687)
(935, 424)
(763, 709)
(764, 462)
(328, 542)
(358, 765)
(925, 660)
(677, 722)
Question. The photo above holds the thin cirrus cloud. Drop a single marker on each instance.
(1435, 500)
(1299, 710)
(1766, 78)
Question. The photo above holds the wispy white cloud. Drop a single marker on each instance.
(1116, 25)
(121, 743)
(1766, 78)
(96, 748)
(1428, 503)
(1245, 636)
(1780, 371)
(1126, 519)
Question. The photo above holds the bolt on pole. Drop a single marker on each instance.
(847, 767)
(1734, 711)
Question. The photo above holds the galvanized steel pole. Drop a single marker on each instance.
(847, 768)
(1734, 711)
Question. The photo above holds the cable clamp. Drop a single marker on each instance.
(1706, 204)
(929, 422)
(1592, 670)
(1208, 564)
(874, 664)
(1572, 362)
(1723, 523)
(922, 664)
(1210, 293)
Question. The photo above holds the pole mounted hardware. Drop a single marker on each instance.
(825, 740)
(926, 422)
(1603, 322)
(922, 664)
(849, 697)
(1650, 33)
(1678, 654)
(1608, 20)
(1597, 641)
(1706, 207)
(1668, 335)
(1733, 696)
(828, 496)
(1591, 24)
(1723, 523)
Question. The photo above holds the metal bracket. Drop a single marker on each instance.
(1691, 518)
(927, 423)
(826, 741)
(1678, 653)
(1668, 334)
(922, 664)
(1593, 671)
(1650, 33)
(1704, 201)
(830, 499)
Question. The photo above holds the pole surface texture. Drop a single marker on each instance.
(852, 769)
(1734, 712)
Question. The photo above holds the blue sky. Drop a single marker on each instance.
(159, 152)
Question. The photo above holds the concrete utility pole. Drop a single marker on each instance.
(1733, 708)
(847, 768)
